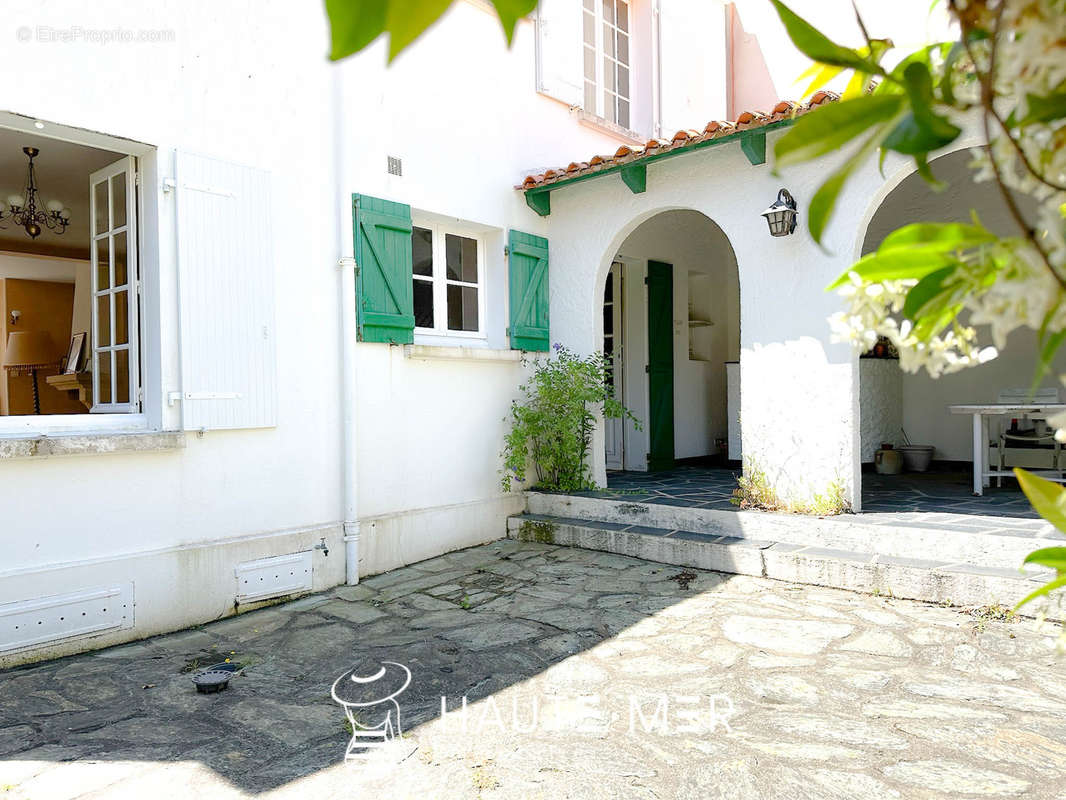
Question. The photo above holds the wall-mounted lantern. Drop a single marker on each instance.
(781, 216)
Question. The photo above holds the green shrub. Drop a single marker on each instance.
(552, 425)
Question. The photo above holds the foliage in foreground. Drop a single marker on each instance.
(353, 24)
(553, 424)
(928, 285)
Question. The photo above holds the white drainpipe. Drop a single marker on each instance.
(349, 331)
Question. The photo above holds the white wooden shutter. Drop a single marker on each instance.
(559, 50)
(226, 291)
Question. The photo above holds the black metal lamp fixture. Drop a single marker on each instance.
(781, 215)
(26, 210)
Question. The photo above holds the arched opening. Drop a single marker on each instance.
(670, 303)
(897, 407)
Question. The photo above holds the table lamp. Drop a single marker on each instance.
(27, 352)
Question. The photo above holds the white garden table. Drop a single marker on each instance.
(982, 473)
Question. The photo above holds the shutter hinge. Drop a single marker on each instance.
(506, 251)
(647, 368)
(136, 179)
(646, 280)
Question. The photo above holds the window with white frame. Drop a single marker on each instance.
(448, 277)
(606, 32)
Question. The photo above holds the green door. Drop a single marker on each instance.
(660, 282)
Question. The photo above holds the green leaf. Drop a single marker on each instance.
(1047, 588)
(824, 200)
(407, 20)
(921, 130)
(510, 12)
(944, 235)
(354, 24)
(947, 88)
(1054, 557)
(1048, 499)
(1046, 108)
(927, 290)
(893, 265)
(817, 47)
(826, 129)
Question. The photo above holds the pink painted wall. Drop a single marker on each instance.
(750, 87)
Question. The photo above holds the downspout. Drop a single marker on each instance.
(349, 330)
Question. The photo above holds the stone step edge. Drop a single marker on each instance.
(902, 539)
(949, 584)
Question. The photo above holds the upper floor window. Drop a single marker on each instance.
(448, 281)
(606, 32)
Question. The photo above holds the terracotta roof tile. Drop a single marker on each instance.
(714, 129)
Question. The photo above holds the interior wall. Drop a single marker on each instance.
(692, 244)
(47, 306)
(925, 400)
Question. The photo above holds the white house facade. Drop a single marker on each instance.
(306, 290)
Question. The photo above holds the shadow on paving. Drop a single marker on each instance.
(469, 623)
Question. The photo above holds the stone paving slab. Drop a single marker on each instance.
(586, 675)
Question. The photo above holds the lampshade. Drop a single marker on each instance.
(29, 350)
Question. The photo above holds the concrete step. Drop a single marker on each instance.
(947, 582)
(1003, 547)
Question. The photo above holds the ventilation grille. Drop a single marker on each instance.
(273, 577)
(26, 623)
(395, 166)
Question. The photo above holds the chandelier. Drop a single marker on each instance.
(27, 211)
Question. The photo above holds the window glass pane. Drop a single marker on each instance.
(589, 30)
(103, 365)
(608, 75)
(623, 113)
(623, 15)
(103, 264)
(590, 97)
(423, 291)
(590, 64)
(623, 82)
(623, 49)
(120, 259)
(608, 350)
(608, 41)
(461, 255)
(118, 200)
(608, 107)
(608, 11)
(590, 5)
(103, 320)
(608, 320)
(422, 251)
(100, 198)
(608, 290)
(462, 308)
(122, 376)
(122, 331)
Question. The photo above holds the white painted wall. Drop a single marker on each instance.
(461, 111)
(925, 401)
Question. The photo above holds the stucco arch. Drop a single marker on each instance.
(705, 273)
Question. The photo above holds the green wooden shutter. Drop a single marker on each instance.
(383, 285)
(529, 291)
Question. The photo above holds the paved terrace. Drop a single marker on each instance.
(833, 694)
(937, 499)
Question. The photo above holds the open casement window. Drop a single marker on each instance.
(115, 288)
(448, 280)
(382, 231)
(528, 279)
(558, 27)
(605, 47)
(226, 295)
